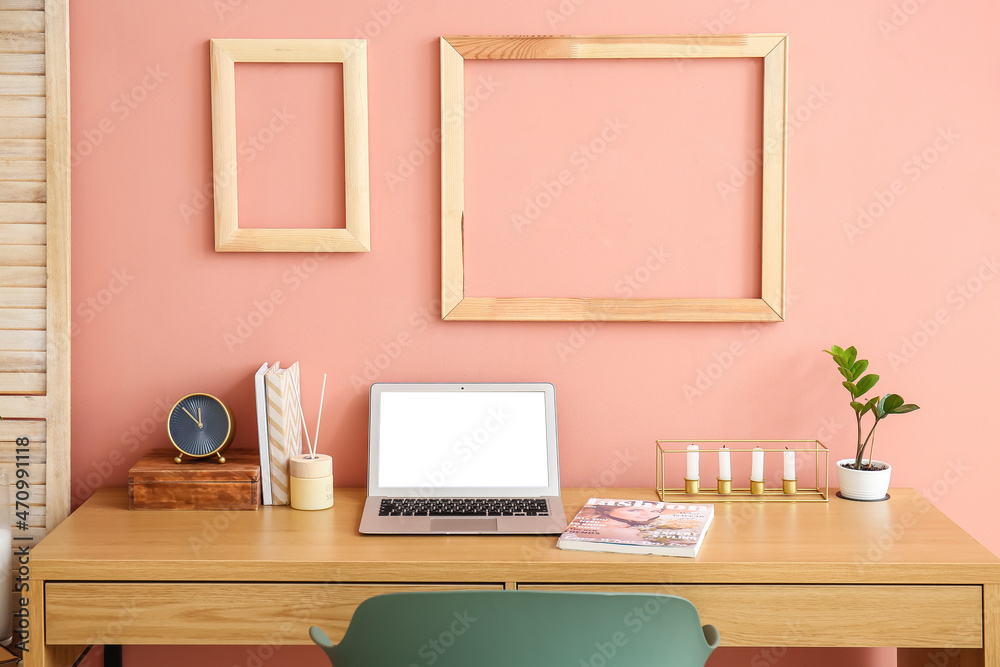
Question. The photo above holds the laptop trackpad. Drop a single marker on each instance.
(464, 525)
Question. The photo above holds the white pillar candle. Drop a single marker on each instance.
(789, 459)
(757, 465)
(725, 471)
(692, 462)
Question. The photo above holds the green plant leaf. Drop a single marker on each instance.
(850, 354)
(866, 383)
(859, 367)
(858, 407)
(903, 409)
(851, 388)
(835, 350)
(877, 406)
(891, 402)
(846, 373)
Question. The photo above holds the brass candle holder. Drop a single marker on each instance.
(668, 458)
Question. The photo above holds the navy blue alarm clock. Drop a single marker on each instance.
(200, 426)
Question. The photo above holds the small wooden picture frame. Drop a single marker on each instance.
(225, 53)
(768, 308)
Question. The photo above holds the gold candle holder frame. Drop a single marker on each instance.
(669, 450)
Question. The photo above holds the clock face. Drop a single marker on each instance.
(200, 425)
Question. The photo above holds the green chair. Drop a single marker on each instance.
(523, 628)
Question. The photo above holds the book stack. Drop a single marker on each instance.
(279, 427)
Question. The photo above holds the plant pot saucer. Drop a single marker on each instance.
(861, 500)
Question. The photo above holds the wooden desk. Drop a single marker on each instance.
(842, 573)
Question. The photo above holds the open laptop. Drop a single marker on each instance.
(463, 458)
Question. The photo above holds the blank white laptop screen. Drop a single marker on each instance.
(433, 442)
(463, 458)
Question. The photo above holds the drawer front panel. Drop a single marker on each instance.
(901, 616)
(208, 613)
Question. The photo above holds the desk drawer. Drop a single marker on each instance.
(902, 616)
(208, 613)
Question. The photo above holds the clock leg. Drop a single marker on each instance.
(178, 459)
(222, 459)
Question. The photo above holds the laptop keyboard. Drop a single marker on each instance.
(463, 507)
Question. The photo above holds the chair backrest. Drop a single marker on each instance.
(524, 628)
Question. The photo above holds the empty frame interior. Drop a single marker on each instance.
(771, 49)
(352, 53)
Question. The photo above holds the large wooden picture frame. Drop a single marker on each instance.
(353, 54)
(768, 308)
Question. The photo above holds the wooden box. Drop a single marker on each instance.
(155, 482)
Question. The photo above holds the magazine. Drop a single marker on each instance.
(638, 527)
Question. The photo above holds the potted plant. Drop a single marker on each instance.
(861, 477)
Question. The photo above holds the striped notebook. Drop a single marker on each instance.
(284, 426)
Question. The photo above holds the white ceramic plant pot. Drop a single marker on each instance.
(863, 484)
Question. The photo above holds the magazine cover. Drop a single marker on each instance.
(639, 527)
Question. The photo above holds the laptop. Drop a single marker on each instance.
(463, 458)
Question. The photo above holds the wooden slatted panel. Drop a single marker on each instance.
(22, 106)
(22, 42)
(29, 128)
(22, 149)
(17, 233)
(34, 260)
(22, 255)
(17, 5)
(21, 276)
(22, 63)
(22, 297)
(22, 170)
(36, 457)
(22, 84)
(22, 213)
(12, 429)
(22, 191)
(33, 468)
(23, 318)
(21, 21)
(21, 339)
(22, 383)
(30, 407)
(22, 361)
(36, 495)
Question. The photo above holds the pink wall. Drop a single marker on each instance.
(892, 109)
